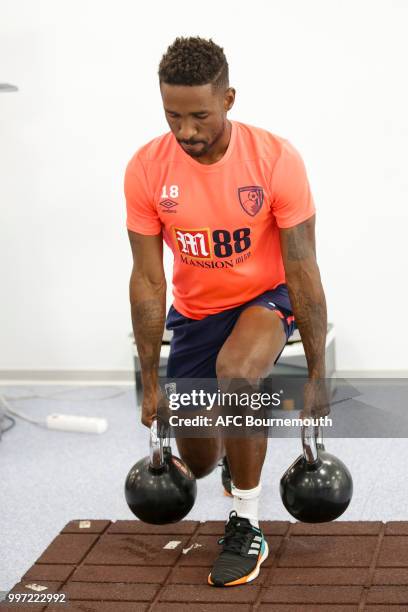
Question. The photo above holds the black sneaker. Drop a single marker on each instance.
(226, 477)
(244, 549)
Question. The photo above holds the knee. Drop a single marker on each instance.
(246, 369)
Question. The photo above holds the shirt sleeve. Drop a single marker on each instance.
(142, 215)
(291, 199)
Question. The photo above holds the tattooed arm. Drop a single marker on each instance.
(147, 290)
(306, 296)
(309, 307)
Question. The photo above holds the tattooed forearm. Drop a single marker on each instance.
(309, 308)
(148, 306)
(148, 324)
(306, 292)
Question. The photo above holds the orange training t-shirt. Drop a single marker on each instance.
(220, 220)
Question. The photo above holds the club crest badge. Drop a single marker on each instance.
(251, 199)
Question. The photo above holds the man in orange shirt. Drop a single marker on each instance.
(233, 203)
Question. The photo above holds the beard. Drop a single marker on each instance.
(207, 146)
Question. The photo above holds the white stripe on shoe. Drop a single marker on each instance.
(254, 574)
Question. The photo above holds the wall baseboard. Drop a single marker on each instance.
(127, 377)
(72, 377)
(372, 373)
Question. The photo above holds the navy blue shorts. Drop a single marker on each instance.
(196, 342)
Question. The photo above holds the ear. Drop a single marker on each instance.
(229, 99)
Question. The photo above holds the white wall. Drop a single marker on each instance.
(328, 75)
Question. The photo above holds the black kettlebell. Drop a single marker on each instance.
(317, 487)
(160, 488)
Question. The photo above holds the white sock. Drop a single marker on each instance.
(245, 503)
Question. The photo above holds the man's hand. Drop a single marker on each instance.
(149, 410)
(155, 404)
(316, 399)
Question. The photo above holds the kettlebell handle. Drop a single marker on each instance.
(159, 438)
(312, 442)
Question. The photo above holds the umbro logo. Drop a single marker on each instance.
(168, 206)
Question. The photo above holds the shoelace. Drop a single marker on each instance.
(235, 535)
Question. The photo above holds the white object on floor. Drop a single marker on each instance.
(82, 424)
(172, 544)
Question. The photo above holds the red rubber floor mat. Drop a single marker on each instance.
(129, 566)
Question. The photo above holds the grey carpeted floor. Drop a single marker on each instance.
(49, 478)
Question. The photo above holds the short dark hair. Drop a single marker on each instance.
(194, 61)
